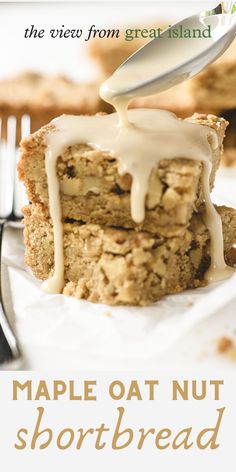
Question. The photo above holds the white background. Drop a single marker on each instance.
(191, 351)
(198, 348)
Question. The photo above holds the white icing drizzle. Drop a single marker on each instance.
(56, 283)
(150, 136)
(218, 269)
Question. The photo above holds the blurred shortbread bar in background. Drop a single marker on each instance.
(211, 91)
(215, 86)
(45, 97)
(109, 53)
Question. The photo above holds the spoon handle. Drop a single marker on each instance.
(228, 6)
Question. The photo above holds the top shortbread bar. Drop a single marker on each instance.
(93, 191)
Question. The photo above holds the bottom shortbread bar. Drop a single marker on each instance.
(118, 266)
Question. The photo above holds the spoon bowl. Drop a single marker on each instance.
(180, 52)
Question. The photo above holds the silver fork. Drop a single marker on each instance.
(12, 198)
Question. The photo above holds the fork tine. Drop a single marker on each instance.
(0, 135)
(10, 355)
(7, 163)
(20, 198)
(4, 128)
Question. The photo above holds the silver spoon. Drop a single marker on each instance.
(166, 61)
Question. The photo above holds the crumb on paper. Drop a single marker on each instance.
(190, 304)
(227, 346)
(232, 354)
(202, 355)
(108, 314)
(224, 344)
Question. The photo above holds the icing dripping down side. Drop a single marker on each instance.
(56, 283)
(218, 269)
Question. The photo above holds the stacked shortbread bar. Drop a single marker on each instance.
(108, 257)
